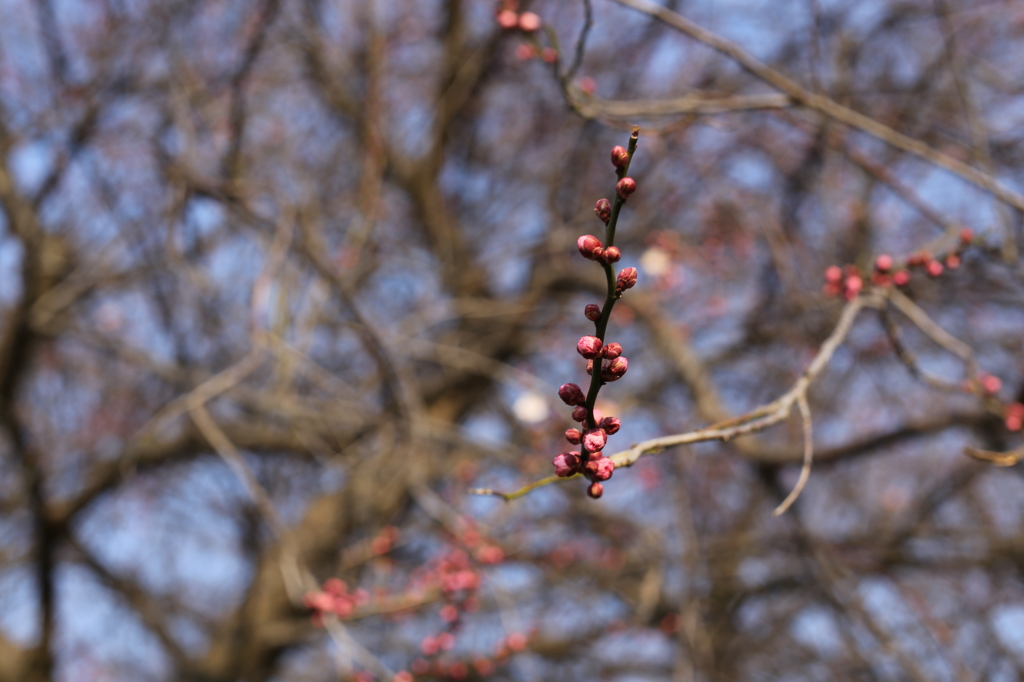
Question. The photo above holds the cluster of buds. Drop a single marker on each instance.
(510, 19)
(886, 272)
(592, 435)
(333, 599)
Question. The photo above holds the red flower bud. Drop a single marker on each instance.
(593, 312)
(594, 440)
(901, 278)
(599, 469)
(579, 414)
(611, 350)
(595, 490)
(625, 187)
(508, 19)
(626, 280)
(612, 370)
(589, 246)
(571, 394)
(611, 255)
(934, 268)
(991, 384)
(566, 463)
(603, 209)
(854, 284)
(529, 22)
(573, 436)
(589, 347)
(610, 425)
(952, 261)
(883, 263)
(966, 236)
(833, 274)
(620, 157)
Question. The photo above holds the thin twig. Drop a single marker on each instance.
(826, 105)
(805, 470)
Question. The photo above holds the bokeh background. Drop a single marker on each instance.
(281, 280)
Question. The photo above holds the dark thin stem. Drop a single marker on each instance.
(601, 325)
(581, 42)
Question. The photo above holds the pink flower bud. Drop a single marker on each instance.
(620, 157)
(625, 187)
(611, 350)
(579, 414)
(854, 284)
(508, 19)
(611, 255)
(610, 425)
(588, 245)
(597, 416)
(883, 263)
(549, 55)
(573, 436)
(901, 278)
(571, 394)
(952, 261)
(613, 370)
(595, 490)
(566, 464)
(525, 52)
(594, 440)
(934, 268)
(626, 280)
(529, 22)
(593, 312)
(600, 469)
(589, 347)
(603, 209)
(991, 384)
(833, 274)
(966, 236)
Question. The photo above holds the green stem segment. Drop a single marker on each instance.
(601, 325)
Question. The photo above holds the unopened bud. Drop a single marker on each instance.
(593, 312)
(991, 384)
(901, 278)
(529, 22)
(589, 246)
(579, 414)
(833, 274)
(571, 394)
(620, 157)
(610, 425)
(883, 263)
(589, 347)
(625, 187)
(611, 255)
(566, 463)
(611, 350)
(966, 236)
(952, 261)
(612, 370)
(594, 440)
(508, 19)
(626, 280)
(595, 490)
(934, 268)
(603, 209)
(599, 469)
(573, 436)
